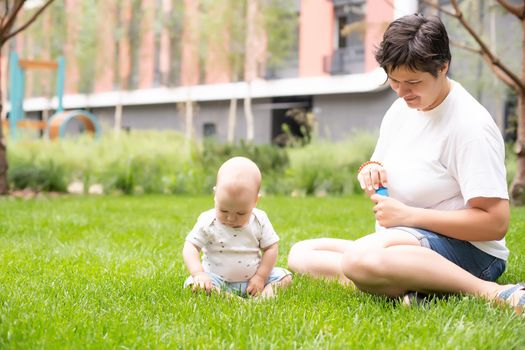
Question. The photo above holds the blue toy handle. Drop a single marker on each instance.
(383, 191)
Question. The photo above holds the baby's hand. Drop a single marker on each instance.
(202, 281)
(255, 285)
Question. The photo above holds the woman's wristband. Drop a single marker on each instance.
(368, 163)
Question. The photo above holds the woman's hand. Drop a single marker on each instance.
(390, 212)
(371, 177)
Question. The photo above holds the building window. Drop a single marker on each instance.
(350, 16)
(350, 28)
(209, 129)
(340, 40)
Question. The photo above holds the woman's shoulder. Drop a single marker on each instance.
(472, 121)
(463, 100)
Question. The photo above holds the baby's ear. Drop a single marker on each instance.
(214, 189)
(258, 197)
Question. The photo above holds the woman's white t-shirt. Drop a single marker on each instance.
(444, 157)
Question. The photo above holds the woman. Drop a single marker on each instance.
(441, 157)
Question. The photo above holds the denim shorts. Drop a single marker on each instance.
(239, 288)
(462, 253)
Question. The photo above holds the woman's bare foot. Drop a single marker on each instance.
(513, 295)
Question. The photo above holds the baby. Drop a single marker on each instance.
(232, 236)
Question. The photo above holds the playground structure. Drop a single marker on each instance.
(57, 124)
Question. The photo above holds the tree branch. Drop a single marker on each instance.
(439, 8)
(465, 47)
(516, 10)
(496, 65)
(29, 21)
(6, 28)
(499, 73)
(4, 13)
(502, 75)
(492, 59)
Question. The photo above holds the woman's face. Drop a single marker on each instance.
(420, 90)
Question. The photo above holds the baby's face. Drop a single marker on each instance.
(234, 210)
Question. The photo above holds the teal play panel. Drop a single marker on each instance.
(56, 127)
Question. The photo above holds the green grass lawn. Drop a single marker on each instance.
(107, 272)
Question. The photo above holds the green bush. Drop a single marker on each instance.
(45, 176)
(269, 158)
(163, 162)
(134, 162)
(329, 168)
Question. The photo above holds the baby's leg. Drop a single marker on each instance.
(279, 278)
(271, 288)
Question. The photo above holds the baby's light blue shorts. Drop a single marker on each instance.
(239, 288)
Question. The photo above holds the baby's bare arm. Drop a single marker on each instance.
(269, 257)
(192, 259)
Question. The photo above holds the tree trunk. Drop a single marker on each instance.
(134, 39)
(4, 186)
(188, 114)
(517, 189)
(250, 63)
(248, 114)
(232, 118)
(117, 126)
(10, 11)
(117, 80)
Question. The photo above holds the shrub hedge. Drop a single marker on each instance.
(164, 162)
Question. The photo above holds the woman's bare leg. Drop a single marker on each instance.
(392, 262)
(319, 257)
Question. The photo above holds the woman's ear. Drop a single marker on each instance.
(444, 68)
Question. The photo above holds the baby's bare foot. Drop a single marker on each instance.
(268, 292)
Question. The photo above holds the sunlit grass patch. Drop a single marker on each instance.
(107, 272)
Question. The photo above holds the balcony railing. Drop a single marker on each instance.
(348, 60)
(347, 2)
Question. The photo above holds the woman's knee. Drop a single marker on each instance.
(296, 257)
(300, 254)
(362, 265)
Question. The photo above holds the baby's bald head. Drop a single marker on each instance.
(239, 174)
(237, 191)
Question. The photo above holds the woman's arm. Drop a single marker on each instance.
(487, 219)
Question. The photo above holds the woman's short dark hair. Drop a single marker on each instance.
(416, 42)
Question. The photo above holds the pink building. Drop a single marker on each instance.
(331, 73)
